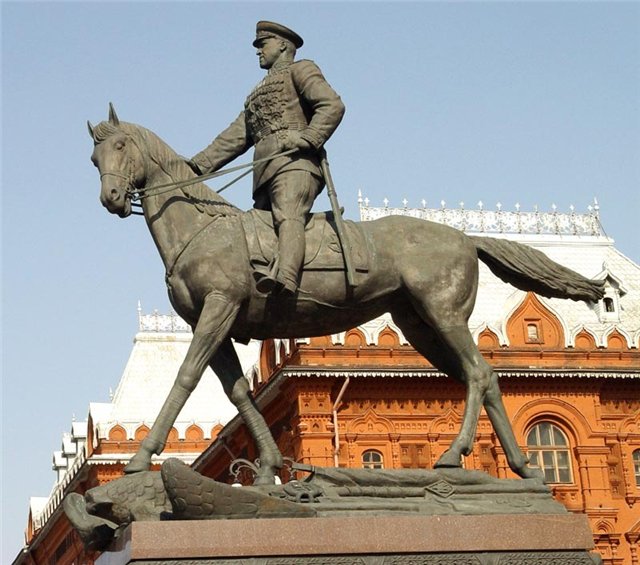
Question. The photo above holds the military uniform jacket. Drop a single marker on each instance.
(293, 96)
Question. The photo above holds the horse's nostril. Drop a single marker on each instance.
(114, 194)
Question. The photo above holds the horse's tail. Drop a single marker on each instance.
(528, 269)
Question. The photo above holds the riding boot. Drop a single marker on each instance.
(291, 243)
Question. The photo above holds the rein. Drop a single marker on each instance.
(138, 194)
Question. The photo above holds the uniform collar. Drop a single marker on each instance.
(279, 66)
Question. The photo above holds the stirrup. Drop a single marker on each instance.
(264, 283)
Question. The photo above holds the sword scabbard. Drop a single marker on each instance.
(337, 215)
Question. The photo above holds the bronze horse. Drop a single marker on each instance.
(425, 274)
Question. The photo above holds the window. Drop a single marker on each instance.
(533, 331)
(548, 449)
(636, 466)
(609, 305)
(372, 459)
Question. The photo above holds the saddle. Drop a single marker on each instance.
(322, 250)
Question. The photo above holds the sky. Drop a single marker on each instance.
(535, 103)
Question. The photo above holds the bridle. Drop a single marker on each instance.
(129, 178)
(137, 194)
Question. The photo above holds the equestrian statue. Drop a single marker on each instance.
(279, 271)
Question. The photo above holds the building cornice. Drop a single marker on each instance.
(431, 373)
(482, 220)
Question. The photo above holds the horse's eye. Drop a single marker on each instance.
(119, 145)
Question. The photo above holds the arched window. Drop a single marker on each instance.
(372, 459)
(548, 449)
(636, 466)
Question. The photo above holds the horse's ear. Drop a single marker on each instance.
(113, 117)
(91, 130)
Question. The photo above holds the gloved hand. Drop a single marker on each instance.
(295, 141)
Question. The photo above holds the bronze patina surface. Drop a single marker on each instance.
(425, 274)
(293, 107)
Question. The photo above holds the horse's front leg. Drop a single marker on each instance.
(216, 319)
(226, 365)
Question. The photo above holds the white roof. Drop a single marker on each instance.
(158, 350)
(36, 507)
(151, 371)
(573, 240)
(594, 259)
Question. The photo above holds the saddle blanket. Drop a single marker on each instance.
(322, 252)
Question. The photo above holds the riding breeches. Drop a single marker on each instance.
(292, 194)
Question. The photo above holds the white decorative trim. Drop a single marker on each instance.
(432, 373)
(546, 302)
(58, 490)
(336, 339)
(371, 331)
(513, 302)
(162, 323)
(579, 329)
(495, 221)
(500, 335)
(615, 327)
(607, 274)
(278, 345)
(130, 428)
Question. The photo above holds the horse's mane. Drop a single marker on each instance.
(204, 199)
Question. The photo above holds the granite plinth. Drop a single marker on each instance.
(482, 540)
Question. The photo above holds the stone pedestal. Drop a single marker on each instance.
(362, 540)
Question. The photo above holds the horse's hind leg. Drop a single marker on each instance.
(424, 340)
(469, 367)
(518, 461)
(226, 365)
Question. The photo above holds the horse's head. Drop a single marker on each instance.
(119, 161)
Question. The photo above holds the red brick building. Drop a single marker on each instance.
(569, 372)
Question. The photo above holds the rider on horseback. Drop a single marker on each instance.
(293, 107)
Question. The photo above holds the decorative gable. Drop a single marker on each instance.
(534, 325)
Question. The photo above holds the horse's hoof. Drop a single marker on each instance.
(526, 472)
(449, 459)
(138, 464)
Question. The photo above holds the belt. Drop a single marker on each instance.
(271, 130)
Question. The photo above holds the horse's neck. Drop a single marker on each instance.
(173, 219)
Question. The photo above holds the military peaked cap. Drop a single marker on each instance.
(271, 29)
